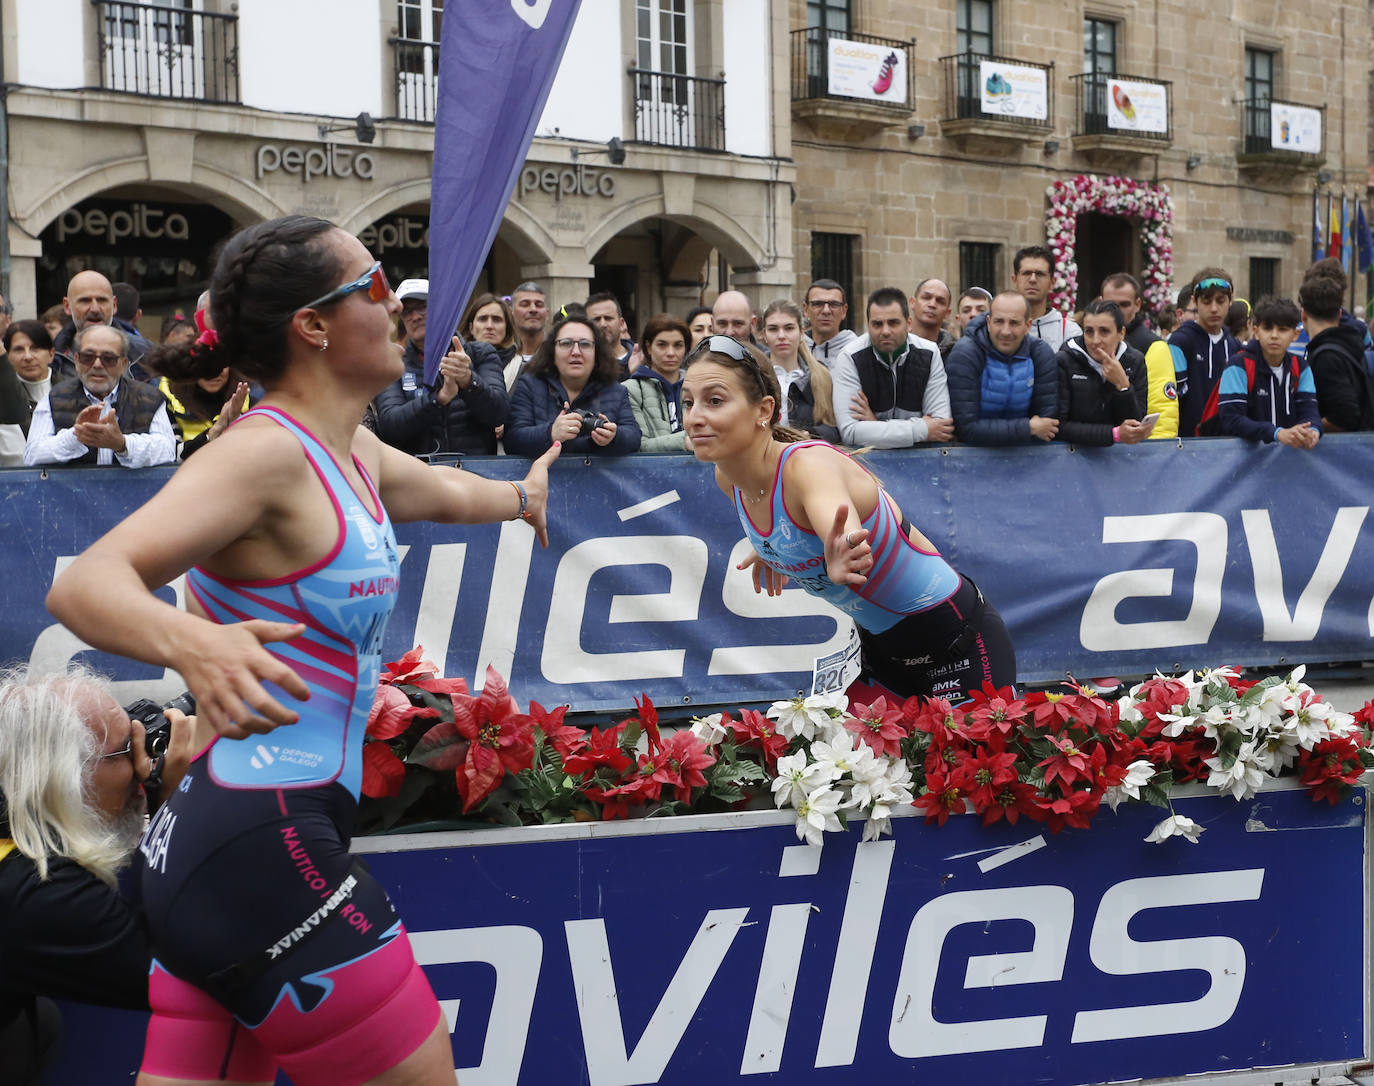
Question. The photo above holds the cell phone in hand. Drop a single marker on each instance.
(1150, 419)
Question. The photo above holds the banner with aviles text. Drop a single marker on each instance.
(1102, 561)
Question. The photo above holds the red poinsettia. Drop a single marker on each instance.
(679, 762)
(989, 771)
(500, 739)
(1331, 767)
(648, 716)
(1069, 763)
(602, 748)
(878, 725)
(392, 713)
(755, 731)
(1013, 799)
(409, 667)
(995, 710)
(564, 737)
(944, 796)
(1074, 809)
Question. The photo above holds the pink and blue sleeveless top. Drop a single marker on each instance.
(344, 600)
(904, 579)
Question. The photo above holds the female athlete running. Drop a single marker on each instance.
(274, 947)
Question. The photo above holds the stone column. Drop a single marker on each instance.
(564, 279)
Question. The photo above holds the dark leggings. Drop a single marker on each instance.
(948, 651)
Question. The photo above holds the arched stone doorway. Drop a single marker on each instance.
(161, 238)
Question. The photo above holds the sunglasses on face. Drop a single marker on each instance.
(373, 281)
(108, 359)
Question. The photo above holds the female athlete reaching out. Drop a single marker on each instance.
(814, 515)
(274, 948)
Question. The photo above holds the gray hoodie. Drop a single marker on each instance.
(832, 348)
(1054, 328)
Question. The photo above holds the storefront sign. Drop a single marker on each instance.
(568, 181)
(1013, 90)
(401, 232)
(1251, 233)
(1137, 107)
(328, 160)
(866, 70)
(1295, 128)
(137, 221)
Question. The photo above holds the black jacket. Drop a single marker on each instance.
(1345, 390)
(69, 936)
(1089, 406)
(411, 419)
(1139, 335)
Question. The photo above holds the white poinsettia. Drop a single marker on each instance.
(800, 718)
(842, 755)
(1138, 774)
(709, 729)
(1176, 825)
(797, 778)
(816, 814)
(1241, 778)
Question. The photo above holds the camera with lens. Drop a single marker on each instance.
(157, 729)
(590, 421)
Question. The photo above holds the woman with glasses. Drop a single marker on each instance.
(274, 949)
(816, 516)
(571, 393)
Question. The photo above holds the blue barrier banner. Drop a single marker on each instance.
(716, 949)
(1123, 560)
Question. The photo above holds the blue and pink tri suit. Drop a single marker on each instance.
(925, 629)
(274, 947)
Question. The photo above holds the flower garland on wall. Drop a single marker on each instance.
(1151, 204)
(435, 752)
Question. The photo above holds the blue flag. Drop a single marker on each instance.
(496, 64)
(1347, 249)
(1363, 238)
(1318, 245)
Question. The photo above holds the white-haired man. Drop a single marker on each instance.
(72, 809)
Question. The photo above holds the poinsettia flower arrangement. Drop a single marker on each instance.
(436, 751)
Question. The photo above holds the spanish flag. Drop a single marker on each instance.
(1333, 240)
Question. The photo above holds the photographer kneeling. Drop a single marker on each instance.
(73, 766)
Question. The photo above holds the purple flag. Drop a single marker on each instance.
(497, 61)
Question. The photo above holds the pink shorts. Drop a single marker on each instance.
(379, 1009)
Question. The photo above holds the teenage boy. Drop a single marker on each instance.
(1266, 393)
(1206, 346)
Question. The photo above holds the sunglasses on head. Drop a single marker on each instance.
(726, 345)
(1213, 283)
(373, 281)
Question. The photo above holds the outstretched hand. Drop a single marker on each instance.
(848, 557)
(537, 493)
(225, 667)
(765, 576)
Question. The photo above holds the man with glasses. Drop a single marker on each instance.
(90, 300)
(100, 416)
(826, 307)
(65, 930)
(1032, 275)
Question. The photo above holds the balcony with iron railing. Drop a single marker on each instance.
(996, 97)
(1282, 134)
(1125, 114)
(166, 52)
(673, 110)
(416, 68)
(851, 79)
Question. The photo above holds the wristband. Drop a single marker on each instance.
(1116, 434)
(524, 513)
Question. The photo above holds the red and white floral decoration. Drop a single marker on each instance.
(1086, 193)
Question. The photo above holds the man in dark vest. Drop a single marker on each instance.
(890, 385)
(100, 416)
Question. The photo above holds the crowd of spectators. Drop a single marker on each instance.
(81, 385)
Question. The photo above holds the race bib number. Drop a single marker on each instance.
(839, 670)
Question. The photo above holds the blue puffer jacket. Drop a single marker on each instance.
(537, 401)
(992, 396)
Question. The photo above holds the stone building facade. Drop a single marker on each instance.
(163, 130)
(952, 187)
